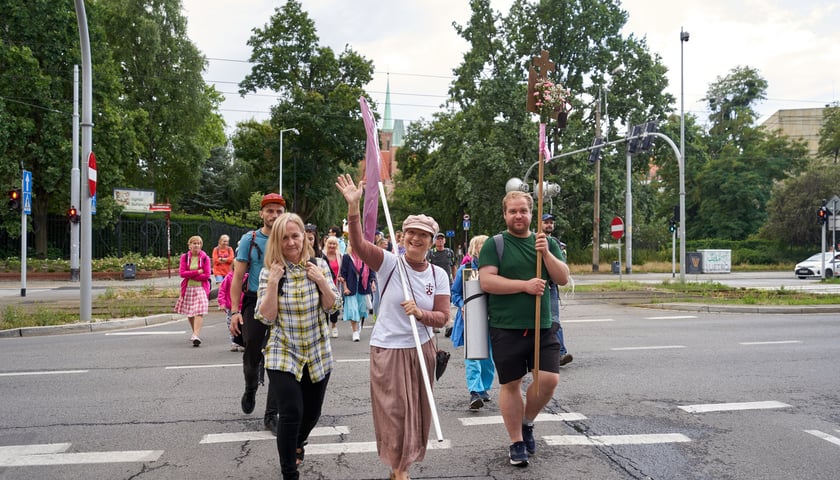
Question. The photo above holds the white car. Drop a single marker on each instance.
(812, 266)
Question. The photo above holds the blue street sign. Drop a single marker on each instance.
(27, 203)
(27, 182)
(450, 233)
(466, 224)
(93, 205)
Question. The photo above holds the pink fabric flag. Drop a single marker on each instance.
(371, 206)
(543, 146)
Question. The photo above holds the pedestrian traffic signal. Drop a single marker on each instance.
(672, 225)
(822, 215)
(73, 215)
(649, 127)
(14, 199)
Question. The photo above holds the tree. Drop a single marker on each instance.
(173, 112)
(830, 133)
(793, 206)
(319, 96)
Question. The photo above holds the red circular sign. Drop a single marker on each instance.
(617, 228)
(92, 174)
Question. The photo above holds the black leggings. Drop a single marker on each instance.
(299, 405)
(254, 334)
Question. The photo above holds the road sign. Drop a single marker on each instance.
(27, 182)
(617, 228)
(160, 207)
(27, 203)
(466, 224)
(450, 233)
(92, 174)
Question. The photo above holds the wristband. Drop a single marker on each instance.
(236, 313)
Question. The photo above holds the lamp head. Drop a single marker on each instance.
(683, 36)
(515, 184)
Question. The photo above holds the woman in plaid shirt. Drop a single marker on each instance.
(294, 298)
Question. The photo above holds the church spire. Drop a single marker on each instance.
(387, 121)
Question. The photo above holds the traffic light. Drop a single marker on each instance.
(634, 143)
(649, 127)
(14, 199)
(73, 215)
(672, 225)
(822, 215)
(595, 153)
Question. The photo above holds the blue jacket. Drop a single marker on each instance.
(353, 278)
(457, 299)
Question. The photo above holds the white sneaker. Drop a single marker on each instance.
(234, 347)
(355, 336)
(335, 332)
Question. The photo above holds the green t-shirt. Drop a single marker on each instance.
(519, 261)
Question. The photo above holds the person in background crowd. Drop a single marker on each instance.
(400, 247)
(401, 413)
(554, 293)
(224, 304)
(442, 256)
(314, 241)
(195, 287)
(335, 231)
(358, 280)
(222, 258)
(333, 258)
(294, 298)
(479, 373)
(508, 279)
(249, 259)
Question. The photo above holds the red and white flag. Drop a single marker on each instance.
(372, 162)
(543, 146)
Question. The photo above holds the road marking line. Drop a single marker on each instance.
(778, 342)
(218, 365)
(266, 435)
(353, 360)
(655, 347)
(672, 317)
(18, 450)
(82, 458)
(542, 417)
(51, 372)
(144, 332)
(591, 320)
(723, 407)
(601, 440)
(362, 447)
(825, 436)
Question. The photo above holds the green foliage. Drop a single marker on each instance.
(829, 147)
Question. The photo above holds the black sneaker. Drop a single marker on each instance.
(528, 438)
(485, 397)
(566, 358)
(475, 401)
(249, 401)
(270, 421)
(518, 455)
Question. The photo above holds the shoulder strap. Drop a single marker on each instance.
(252, 246)
(500, 246)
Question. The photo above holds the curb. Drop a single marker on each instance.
(764, 309)
(91, 327)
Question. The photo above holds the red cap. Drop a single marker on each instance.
(272, 198)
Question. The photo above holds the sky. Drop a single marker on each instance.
(794, 44)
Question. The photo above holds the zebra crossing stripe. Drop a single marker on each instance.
(51, 372)
(610, 440)
(32, 460)
(822, 435)
(725, 407)
(542, 417)
(266, 435)
(362, 447)
(18, 450)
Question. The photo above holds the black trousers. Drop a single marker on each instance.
(299, 406)
(254, 334)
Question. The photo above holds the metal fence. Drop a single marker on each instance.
(146, 236)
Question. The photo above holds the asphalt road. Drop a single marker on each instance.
(143, 403)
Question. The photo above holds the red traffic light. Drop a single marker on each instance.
(73, 215)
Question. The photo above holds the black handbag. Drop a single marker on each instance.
(441, 361)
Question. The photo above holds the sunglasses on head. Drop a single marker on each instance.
(311, 228)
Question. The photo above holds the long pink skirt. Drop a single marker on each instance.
(401, 413)
(193, 303)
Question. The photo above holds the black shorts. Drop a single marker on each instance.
(513, 352)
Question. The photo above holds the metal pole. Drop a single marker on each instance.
(86, 276)
(280, 187)
(674, 253)
(596, 217)
(74, 181)
(683, 39)
(628, 209)
(22, 239)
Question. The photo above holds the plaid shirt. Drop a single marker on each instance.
(300, 334)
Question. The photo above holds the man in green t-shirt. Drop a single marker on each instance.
(509, 277)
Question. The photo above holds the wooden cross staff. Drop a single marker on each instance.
(540, 68)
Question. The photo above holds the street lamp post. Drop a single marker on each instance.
(296, 132)
(683, 39)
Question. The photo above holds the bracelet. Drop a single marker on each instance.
(236, 313)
